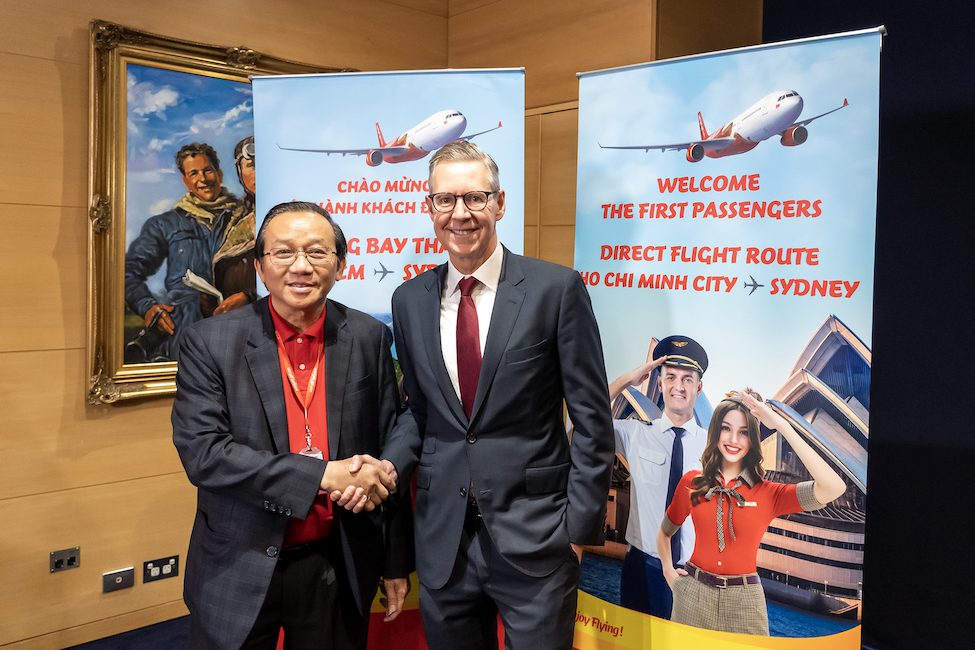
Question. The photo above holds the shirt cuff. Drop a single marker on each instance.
(806, 493)
(669, 527)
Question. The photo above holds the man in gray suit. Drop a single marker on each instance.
(490, 344)
(269, 398)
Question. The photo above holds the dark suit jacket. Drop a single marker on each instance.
(230, 427)
(535, 489)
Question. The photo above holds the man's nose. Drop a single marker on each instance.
(462, 207)
(301, 264)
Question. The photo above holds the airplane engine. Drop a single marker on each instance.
(374, 158)
(695, 152)
(794, 136)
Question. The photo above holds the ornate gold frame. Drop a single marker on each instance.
(111, 48)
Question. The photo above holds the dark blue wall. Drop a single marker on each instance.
(919, 574)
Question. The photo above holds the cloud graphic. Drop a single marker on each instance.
(204, 123)
(156, 144)
(145, 98)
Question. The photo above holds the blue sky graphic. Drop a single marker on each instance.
(756, 339)
(340, 111)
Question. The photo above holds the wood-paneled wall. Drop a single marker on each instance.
(108, 479)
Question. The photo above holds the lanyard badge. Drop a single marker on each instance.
(305, 400)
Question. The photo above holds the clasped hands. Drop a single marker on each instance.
(359, 482)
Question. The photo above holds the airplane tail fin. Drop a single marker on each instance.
(379, 134)
(700, 124)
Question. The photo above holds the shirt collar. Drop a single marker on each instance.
(288, 331)
(689, 427)
(489, 273)
(747, 477)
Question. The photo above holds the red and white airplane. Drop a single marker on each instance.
(429, 135)
(774, 114)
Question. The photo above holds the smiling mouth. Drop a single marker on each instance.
(732, 450)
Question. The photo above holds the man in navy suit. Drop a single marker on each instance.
(490, 344)
(269, 398)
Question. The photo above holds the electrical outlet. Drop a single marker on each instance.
(120, 579)
(164, 567)
(66, 558)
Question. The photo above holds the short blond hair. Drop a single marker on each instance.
(464, 151)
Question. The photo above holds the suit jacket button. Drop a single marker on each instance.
(287, 512)
(272, 551)
(463, 492)
(471, 438)
(267, 504)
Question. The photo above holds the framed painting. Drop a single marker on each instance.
(171, 189)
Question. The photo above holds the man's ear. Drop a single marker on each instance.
(501, 205)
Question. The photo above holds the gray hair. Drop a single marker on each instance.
(464, 151)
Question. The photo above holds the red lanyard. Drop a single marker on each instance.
(305, 400)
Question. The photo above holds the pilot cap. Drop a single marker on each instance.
(682, 352)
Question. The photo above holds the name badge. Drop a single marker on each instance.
(749, 504)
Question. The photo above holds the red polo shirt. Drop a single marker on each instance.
(763, 502)
(301, 350)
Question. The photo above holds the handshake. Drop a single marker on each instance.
(359, 482)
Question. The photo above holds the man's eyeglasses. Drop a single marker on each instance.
(445, 201)
(288, 256)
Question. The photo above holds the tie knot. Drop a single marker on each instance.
(679, 431)
(467, 286)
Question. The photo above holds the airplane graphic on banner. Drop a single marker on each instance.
(429, 135)
(774, 114)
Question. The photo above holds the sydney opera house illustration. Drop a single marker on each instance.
(813, 560)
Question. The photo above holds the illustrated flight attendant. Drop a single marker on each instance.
(731, 506)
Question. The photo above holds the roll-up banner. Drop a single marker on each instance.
(359, 144)
(726, 210)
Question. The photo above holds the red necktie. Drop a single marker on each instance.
(468, 345)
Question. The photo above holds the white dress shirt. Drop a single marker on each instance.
(488, 274)
(647, 450)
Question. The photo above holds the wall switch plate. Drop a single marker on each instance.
(164, 567)
(66, 558)
(120, 579)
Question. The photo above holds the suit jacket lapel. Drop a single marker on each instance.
(338, 350)
(430, 313)
(507, 305)
(262, 359)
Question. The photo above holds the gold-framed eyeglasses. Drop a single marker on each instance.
(288, 256)
(445, 201)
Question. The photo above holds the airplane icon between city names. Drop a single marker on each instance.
(753, 285)
(384, 272)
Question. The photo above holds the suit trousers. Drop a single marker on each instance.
(536, 612)
(643, 586)
(308, 597)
